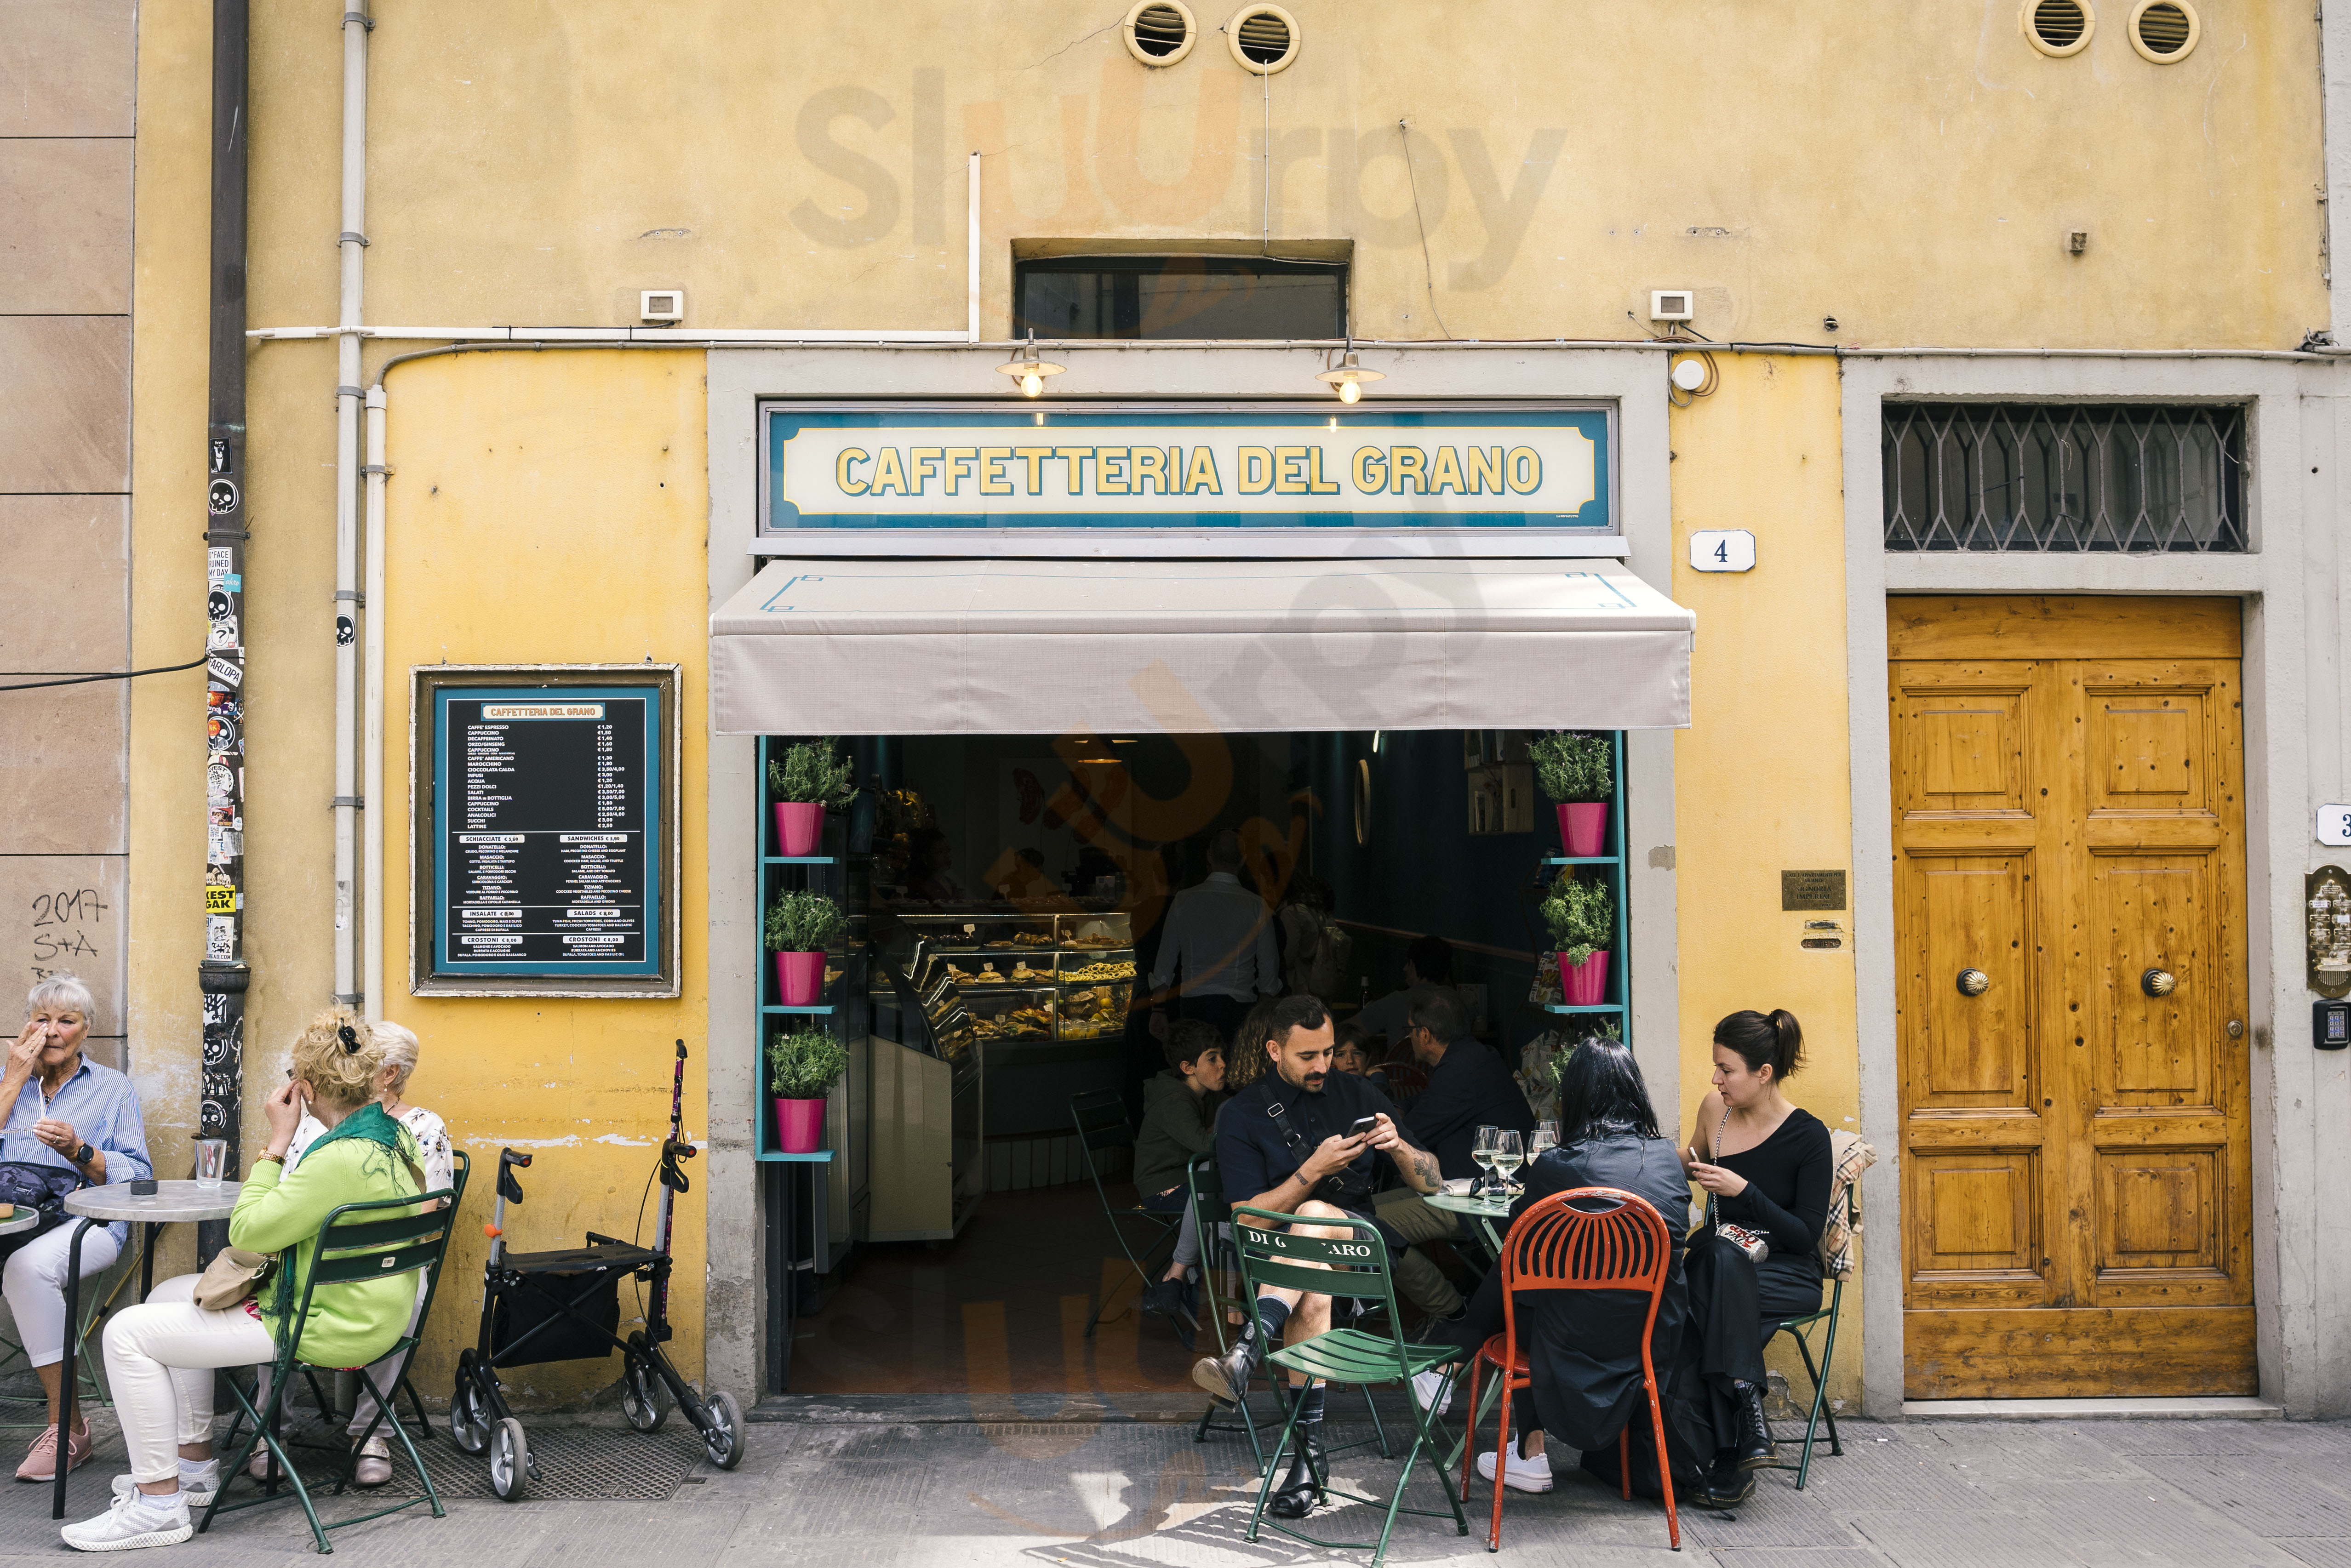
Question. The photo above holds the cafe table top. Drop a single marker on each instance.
(171, 1202)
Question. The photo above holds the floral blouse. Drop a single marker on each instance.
(430, 1133)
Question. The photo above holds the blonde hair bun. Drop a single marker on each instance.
(340, 1056)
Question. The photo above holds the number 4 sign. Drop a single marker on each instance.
(1722, 550)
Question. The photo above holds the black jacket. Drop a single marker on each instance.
(1470, 1088)
(1584, 1396)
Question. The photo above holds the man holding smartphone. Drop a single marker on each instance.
(1306, 1140)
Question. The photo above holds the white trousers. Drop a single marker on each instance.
(34, 1282)
(380, 1374)
(160, 1359)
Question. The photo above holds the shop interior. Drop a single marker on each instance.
(1005, 896)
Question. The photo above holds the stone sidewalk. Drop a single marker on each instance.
(874, 1492)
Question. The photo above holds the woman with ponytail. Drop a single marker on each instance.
(1764, 1164)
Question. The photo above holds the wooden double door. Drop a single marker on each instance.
(2070, 929)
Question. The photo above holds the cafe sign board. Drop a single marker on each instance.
(1068, 470)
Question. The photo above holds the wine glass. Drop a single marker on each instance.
(1541, 1141)
(1482, 1150)
(1509, 1153)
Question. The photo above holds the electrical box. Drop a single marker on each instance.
(2330, 1025)
(661, 305)
(1672, 305)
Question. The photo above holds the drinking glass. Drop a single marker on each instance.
(1544, 1138)
(1509, 1152)
(212, 1158)
(1482, 1150)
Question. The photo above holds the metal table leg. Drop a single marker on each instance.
(147, 1262)
(65, 1372)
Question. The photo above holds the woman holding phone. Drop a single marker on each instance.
(1764, 1164)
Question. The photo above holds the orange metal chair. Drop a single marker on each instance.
(1555, 1246)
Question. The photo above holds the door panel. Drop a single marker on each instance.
(2068, 817)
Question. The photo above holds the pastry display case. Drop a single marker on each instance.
(1013, 1013)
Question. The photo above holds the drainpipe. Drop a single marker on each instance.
(223, 975)
(371, 871)
(352, 242)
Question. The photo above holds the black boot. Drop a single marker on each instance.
(1755, 1450)
(1726, 1485)
(1166, 1300)
(1300, 1490)
(1226, 1376)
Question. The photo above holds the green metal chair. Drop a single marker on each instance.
(1100, 1117)
(358, 1242)
(1800, 1330)
(1215, 1216)
(462, 1170)
(1270, 1255)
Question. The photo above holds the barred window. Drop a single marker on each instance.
(2063, 477)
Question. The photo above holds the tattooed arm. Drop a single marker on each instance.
(1416, 1166)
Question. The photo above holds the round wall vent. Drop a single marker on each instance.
(1160, 32)
(1263, 38)
(2058, 27)
(2164, 30)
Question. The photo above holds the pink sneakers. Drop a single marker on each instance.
(41, 1459)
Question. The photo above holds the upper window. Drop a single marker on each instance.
(2130, 477)
(1179, 296)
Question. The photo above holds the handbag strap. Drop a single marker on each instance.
(1713, 1216)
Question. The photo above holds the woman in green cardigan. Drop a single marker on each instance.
(159, 1356)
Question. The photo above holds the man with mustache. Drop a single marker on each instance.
(1282, 1143)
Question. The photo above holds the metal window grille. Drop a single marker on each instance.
(2130, 478)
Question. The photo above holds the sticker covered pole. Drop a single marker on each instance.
(223, 975)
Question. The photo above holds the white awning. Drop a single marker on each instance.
(862, 647)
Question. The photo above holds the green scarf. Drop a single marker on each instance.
(374, 1123)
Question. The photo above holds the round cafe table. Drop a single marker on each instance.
(1479, 1218)
(171, 1202)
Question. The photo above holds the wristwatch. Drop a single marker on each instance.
(85, 1154)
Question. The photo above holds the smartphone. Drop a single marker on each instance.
(1363, 1124)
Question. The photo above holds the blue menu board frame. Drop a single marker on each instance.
(640, 820)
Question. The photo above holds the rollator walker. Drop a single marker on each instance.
(566, 1306)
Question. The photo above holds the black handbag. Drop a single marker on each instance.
(40, 1188)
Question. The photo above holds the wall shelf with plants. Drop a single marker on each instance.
(804, 985)
(1583, 905)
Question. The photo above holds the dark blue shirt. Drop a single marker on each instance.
(1471, 1087)
(1253, 1154)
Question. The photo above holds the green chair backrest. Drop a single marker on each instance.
(1356, 1264)
(369, 1240)
(1100, 1116)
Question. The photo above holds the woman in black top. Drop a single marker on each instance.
(1764, 1164)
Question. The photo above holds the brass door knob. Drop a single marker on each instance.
(1974, 982)
(2156, 982)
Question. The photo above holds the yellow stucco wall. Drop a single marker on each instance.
(1761, 775)
(548, 509)
(1909, 168)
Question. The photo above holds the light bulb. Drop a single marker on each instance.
(1031, 384)
(1349, 391)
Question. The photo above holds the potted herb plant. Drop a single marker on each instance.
(803, 1064)
(805, 780)
(800, 926)
(1577, 769)
(1583, 921)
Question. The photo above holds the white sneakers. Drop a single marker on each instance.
(1435, 1391)
(1524, 1472)
(134, 1522)
(197, 1483)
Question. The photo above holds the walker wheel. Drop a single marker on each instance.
(469, 1427)
(723, 1438)
(645, 1396)
(509, 1461)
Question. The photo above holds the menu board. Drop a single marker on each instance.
(547, 831)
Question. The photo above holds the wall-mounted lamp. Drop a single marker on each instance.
(1348, 378)
(1030, 372)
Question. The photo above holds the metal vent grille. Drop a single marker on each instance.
(2164, 30)
(1160, 30)
(2124, 478)
(1263, 38)
(2060, 24)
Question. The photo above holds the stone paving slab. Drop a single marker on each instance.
(869, 1493)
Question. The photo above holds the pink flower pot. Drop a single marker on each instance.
(1583, 983)
(1584, 827)
(800, 1126)
(799, 978)
(799, 824)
